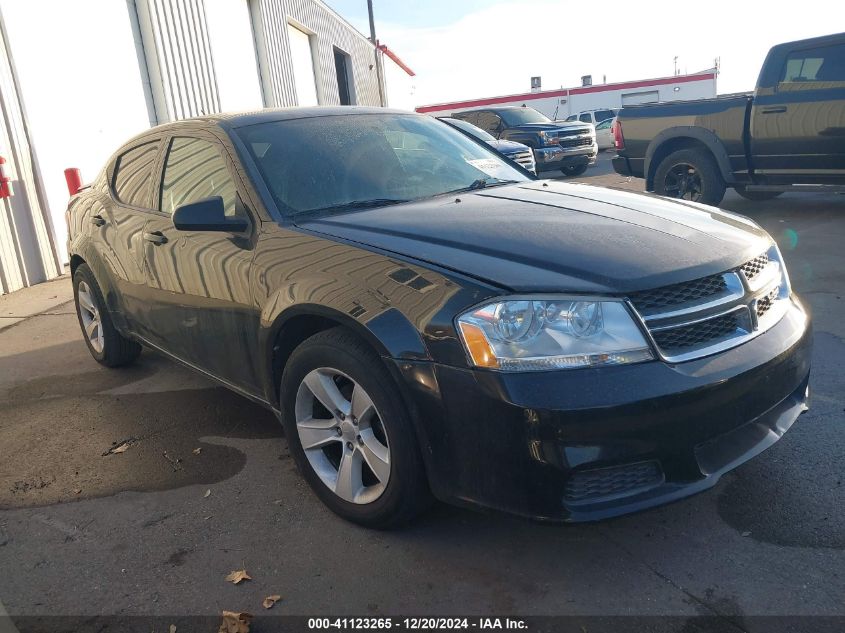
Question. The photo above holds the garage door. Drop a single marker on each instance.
(303, 66)
(647, 96)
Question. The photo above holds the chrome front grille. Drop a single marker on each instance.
(754, 267)
(525, 159)
(714, 313)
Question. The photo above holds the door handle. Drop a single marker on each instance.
(774, 110)
(156, 237)
(97, 220)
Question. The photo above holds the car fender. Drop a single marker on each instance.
(703, 135)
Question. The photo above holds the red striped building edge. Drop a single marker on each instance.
(563, 92)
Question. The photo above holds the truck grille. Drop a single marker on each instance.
(525, 159)
(711, 314)
(576, 142)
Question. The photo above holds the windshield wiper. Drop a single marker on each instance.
(356, 204)
(481, 183)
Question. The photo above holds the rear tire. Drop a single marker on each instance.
(690, 174)
(335, 365)
(108, 346)
(756, 196)
(571, 171)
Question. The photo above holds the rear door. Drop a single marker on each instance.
(119, 226)
(201, 309)
(798, 128)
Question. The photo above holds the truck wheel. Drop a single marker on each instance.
(571, 171)
(757, 196)
(690, 174)
(350, 432)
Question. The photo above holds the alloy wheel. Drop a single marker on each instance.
(342, 434)
(683, 181)
(89, 314)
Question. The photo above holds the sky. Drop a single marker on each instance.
(463, 49)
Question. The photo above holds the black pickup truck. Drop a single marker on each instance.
(570, 147)
(789, 135)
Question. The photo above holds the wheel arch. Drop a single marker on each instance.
(691, 137)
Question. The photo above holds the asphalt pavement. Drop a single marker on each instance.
(206, 486)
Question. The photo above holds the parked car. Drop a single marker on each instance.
(570, 147)
(426, 319)
(593, 116)
(789, 135)
(604, 134)
(517, 152)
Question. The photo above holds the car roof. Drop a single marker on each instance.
(484, 109)
(270, 115)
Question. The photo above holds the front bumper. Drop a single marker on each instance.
(589, 444)
(556, 157)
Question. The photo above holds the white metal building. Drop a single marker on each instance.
(79, 78)
(559, 104)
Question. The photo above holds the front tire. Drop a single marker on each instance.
(690, 174)
(756, 196)
(571, 171)
(108, 346)
(350, 432)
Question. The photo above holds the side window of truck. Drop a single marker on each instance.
(814, 69)
(586, 118)
(489, 122)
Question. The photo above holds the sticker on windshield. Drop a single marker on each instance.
(490, 166)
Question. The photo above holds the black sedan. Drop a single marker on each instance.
(517, 152)
(427, 321)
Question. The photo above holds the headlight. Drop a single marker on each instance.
(544, 333)
(548, 138)
(785, 288)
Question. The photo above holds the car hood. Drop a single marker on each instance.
(507, 147)
(555, 237)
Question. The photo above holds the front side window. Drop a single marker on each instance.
(321, 164)
(133, 173)
(814, 68)
(194, 170)
(521, 116)
(490, 122)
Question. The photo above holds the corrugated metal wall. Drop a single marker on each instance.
(28, 252)
(270, 19)
(179, 60)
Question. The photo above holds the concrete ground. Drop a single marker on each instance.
(206, 486)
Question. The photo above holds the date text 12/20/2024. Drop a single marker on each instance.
(417, 624)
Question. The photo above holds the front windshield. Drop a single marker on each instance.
(469, 128)
(521, 116)
(326, 163)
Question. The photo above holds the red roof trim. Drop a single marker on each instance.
(383, 48)
(528, 96)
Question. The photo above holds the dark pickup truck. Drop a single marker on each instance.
(570, 147)
(789, 135)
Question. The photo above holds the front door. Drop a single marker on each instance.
(202, 308)
(798, 129)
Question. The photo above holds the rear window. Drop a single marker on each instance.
(603, 115)
(133, 174)
(814, 66)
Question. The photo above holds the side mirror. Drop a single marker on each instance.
(207, 214)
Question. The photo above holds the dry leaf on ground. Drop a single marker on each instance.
(197, 451)
(269, 601)
(172, 628)
(235, 622)
(207, 493)
(237, 576)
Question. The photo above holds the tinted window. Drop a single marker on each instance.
(603, 115)
(133, 173)
(519, 116)
(572, 117)
(320, 163)
(586, 118)
(194, 170)
(825, 64)
(469, 128)
(489, 122)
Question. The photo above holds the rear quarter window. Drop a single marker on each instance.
(133, 171)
